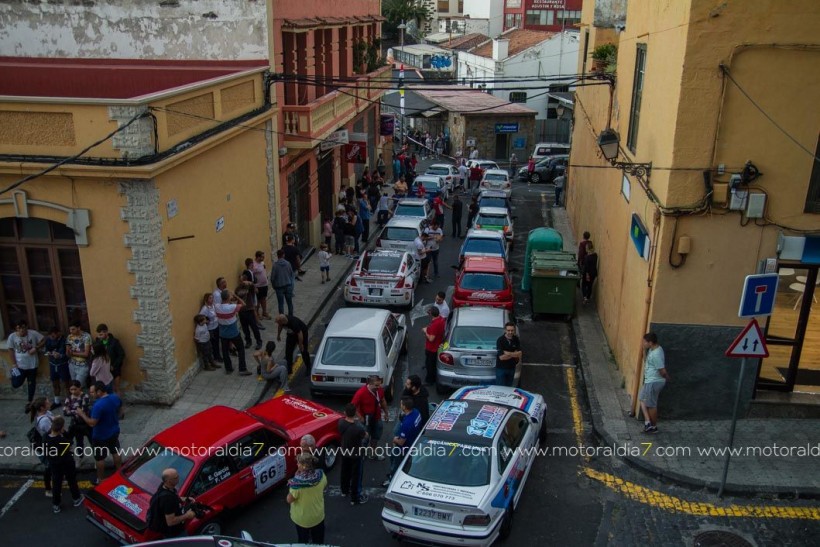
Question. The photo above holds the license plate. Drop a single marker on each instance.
(479, 362)
(375, 292)
(432, 514)
(346, 380)
(114, 529)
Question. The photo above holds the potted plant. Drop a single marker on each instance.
(604, 57)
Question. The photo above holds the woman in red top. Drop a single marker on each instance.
(530, 168)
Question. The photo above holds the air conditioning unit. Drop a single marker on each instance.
(283, 151)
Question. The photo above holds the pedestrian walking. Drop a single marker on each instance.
(296, 336)
(61, 461)
(434, 235)
(354, 439)
(371, 410)
(24, 344)
(438, 209)
(472, 211)
(105, 427)
(165, 509)
(414, 389)
(590, 272)
(409, 429)
(40, 415)
(559, 182)
(209, 312)
(364, 215)
(582, 251)
(475, 176)
(78, 430)
(441, 304)
(324, 262)
(458, 213)
(293, 256)
(655, 377)
(54, 348)
(202, 339)
(513, 165)
(281, 279)
(350, 230)
(78, 349)
(530, 169)
(474, 153)
(306, 496)
(271, 370)
(260, 281)
(508, 355)
(101, 367)
(434, 335)
(227, 316)
(383, 210)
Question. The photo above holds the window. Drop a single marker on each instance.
(567, 17)
(387, 341)
(513, 3)
(813, 199)
(518, 96)
(443, 6)
(253, 447)
(512, 20)
(637, 93)
(540, 17)
(40, 275)
(213, 472)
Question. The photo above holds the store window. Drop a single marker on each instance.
(567, 17)
(40, 275)
(540, 17)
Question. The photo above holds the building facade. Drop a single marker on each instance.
(733, 189)
(545, 15)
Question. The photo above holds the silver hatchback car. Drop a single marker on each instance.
(467, 356)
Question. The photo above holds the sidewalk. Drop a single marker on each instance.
(207, 389)
(686, 464)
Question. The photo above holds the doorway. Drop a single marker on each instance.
(502, 146)
(327, 194)
(299, 202)
(793, 333)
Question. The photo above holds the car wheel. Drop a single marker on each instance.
(535, 177)
(441, 389)
(329, 455)
(507, 523)
(212, 528)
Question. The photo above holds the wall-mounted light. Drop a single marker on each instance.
(610, 144)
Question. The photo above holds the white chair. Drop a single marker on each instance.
(801, 289)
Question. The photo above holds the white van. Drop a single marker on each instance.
(544, 149)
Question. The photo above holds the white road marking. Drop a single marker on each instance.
(561, 365)
(16, 496)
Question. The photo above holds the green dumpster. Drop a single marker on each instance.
(539, 239)
(554, 278)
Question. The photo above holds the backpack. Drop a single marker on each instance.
(34, 436)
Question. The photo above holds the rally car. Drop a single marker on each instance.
(226, 458)
(463, 478)
(383, 278)
(483, 281)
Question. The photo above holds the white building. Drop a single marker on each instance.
(518, 54)
(463, 17)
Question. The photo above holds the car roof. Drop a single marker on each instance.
(213, 426)
(510, 397)
(413, 201)
(424, 178)
(488, 264)
(385, 252)
(493, 211)
(444, 165)
(480, 316)
(293, 413)
(452, 421)
(405, 222)
(357, 323)
(484, 234)
(492, 194)
(496, 172)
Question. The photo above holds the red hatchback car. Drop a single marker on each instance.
(483, 281)
(226, 458)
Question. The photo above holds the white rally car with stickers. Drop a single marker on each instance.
(463, 477)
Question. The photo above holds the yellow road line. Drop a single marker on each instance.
(85, 485)
(677, 505)
(577, 417)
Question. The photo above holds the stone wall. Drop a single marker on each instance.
(483, 129)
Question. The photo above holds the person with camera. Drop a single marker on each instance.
(166, 511)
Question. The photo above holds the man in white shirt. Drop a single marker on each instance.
(24, 344)
(419, 252)
(221, 285)
(474, 154)
(464, 174)
(227, 315)
(260, 280)
(441, 304)
(434, 235)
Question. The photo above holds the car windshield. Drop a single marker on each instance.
(428, 184)
(493, 202)
(146, 469)
(410, 211)
(492, 220)
(449, 463)
(381, 264)
(438, 171)
(400, 234)
(349, 352)
(484, 246)
(483, 282)
(495, 177)
(475, 337)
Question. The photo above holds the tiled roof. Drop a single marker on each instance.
(466, 101)
(466, 42)
(519, 41)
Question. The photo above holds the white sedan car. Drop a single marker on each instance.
(497, 179)
(462, 479)
(383, 278)
(446, 171)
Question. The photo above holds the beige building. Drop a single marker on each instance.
(721, 99)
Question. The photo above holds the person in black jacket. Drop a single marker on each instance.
(590, 272)
(414, 389)
(116, 354)
(354, 438)
(61, 461)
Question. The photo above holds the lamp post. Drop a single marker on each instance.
(610, 144)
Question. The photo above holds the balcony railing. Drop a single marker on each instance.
(316, 120)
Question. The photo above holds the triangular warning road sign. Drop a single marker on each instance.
(750, 343)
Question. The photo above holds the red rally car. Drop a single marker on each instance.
(483, 281)
(226, 458)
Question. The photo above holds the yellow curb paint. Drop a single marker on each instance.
(677, 505)
(85, 485)
(577, 417)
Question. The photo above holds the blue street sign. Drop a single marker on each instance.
(758, 296)
(506, 127)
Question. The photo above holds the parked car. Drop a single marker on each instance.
(544, 149)
(498, 219)
(433, 186)
(483, 164)
(216, 541)
(467, 356)
(359, 343)
(445, 170)
(497, 179)
(467, 493)
(484, 243)
(483, 281)
(494, 198)
(399, 233)
(550, 167)
(384, 278)
(413, 207)
(226, 458)
(523, 172)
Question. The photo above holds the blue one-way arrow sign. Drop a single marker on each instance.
(750, 343)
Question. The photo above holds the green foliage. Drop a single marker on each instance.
(605, 52)
(396, 11)
(367, 55)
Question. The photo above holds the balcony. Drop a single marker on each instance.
(306, 125)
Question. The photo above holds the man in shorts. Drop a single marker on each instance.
(654, 379)
(105, 424)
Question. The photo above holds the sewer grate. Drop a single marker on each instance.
(716, 538)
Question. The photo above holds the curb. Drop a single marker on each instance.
(601, 433)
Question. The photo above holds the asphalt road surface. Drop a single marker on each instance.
(560, 505)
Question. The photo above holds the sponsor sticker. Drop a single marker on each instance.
(301, 405)
(446, 415)
(120, 494)
(486, 422)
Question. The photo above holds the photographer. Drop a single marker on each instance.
(166, 516)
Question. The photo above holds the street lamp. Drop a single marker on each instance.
(610, 144)
(401, 27)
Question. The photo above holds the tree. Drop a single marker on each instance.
(396, 11)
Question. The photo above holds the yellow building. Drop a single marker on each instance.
(162, 176)
(700, 88)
